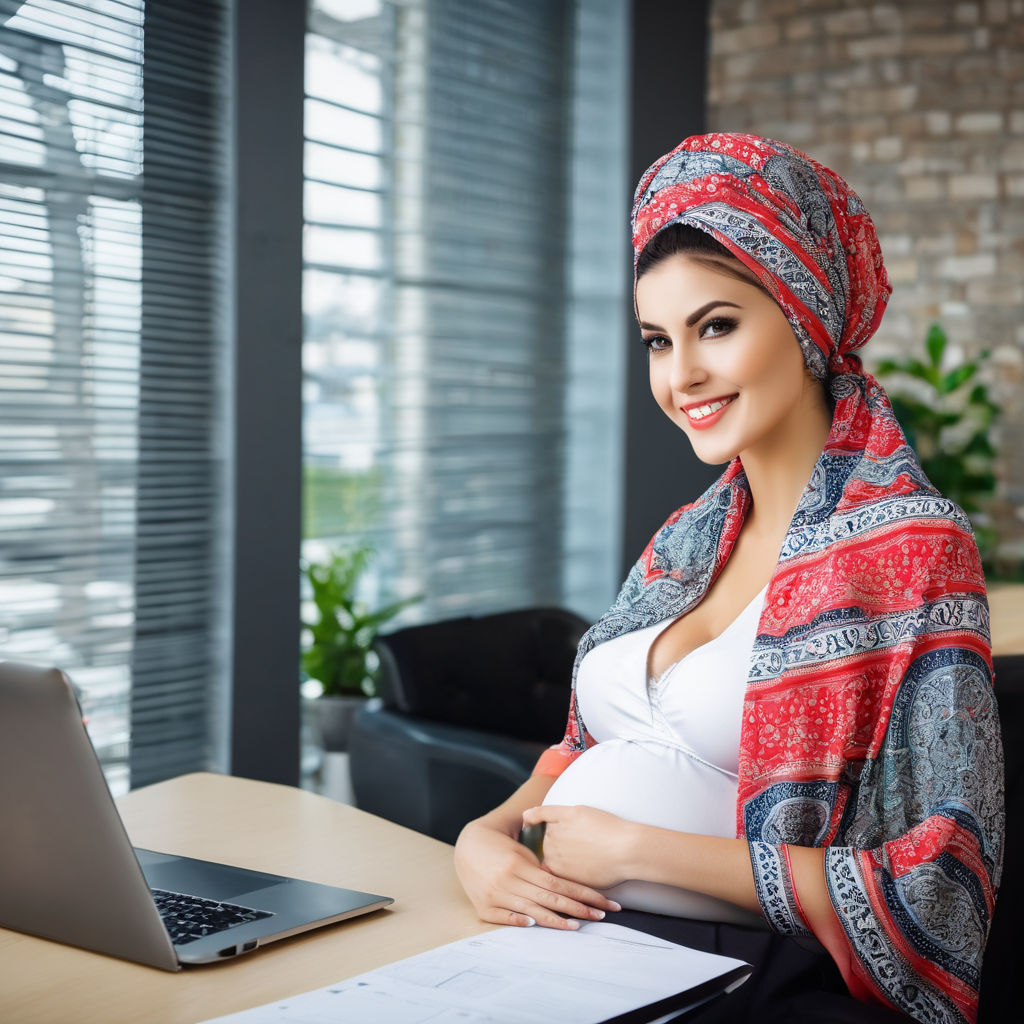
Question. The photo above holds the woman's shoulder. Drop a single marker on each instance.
(894, 497)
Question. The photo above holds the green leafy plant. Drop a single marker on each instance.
(947, 416)
(340, 655)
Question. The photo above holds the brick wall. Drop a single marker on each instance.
(919, 104)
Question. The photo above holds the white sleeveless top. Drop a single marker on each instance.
(667, 750)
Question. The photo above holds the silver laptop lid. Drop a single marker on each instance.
(67, 868)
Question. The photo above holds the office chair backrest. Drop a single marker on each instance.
(506, 673)
(1000, 981)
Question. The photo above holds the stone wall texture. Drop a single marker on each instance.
(919, 104)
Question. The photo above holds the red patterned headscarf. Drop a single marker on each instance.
(797, 225)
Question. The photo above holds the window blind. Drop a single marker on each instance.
(111, 343)
(464, 296)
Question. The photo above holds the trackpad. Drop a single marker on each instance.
(200, 877)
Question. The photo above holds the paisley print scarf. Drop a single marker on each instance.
(869, 723)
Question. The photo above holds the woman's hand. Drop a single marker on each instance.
(507, 884)
(589, 846)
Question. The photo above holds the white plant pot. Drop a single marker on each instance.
(332, 719)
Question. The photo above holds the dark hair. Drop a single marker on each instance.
(702, 246)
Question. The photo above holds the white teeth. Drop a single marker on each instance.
(706, 410)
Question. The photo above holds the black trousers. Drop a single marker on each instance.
(795, 981)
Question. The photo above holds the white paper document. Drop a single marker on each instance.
(511, 976)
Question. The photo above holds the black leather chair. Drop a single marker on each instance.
(465, 708)
(1000, 982)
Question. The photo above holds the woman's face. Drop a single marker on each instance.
(724, 363)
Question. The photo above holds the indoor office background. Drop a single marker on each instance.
(276, 276)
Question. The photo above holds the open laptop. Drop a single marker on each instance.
(69, 873)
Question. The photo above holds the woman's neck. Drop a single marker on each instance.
(778, 471)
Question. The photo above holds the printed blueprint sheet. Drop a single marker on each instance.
(512, 976)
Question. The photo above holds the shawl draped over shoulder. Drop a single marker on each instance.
(869, 722)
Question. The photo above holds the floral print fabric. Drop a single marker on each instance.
(869, 724)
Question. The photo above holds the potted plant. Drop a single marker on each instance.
(338, 653)
(947, 416)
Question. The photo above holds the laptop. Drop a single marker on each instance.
(68, 871)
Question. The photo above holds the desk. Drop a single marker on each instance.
(284, 831)
(269, 828)
(1006, 604)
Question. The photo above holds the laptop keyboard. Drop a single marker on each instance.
(188, 918)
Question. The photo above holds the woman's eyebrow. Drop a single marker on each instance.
(694, 316)
(706, 308)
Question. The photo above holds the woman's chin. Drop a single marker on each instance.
(710, 460)
(714, 446)
(712, 454)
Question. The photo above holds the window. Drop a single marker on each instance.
(464, 290)
(110, 384)
(464, 296)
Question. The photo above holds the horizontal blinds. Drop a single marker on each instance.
(179, 654)
(439, 292)
(488, 289)
(599, 308)
(109, 381)
(349, 273)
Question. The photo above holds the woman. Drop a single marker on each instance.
(804, 647)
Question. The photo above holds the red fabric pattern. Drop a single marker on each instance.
(869, 723)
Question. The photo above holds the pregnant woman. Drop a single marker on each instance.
(785, 722)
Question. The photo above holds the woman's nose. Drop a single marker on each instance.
(686, 368)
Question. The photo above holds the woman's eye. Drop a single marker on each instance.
(656, 343)
(717, 327)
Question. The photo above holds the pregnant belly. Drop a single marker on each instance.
(658, 785)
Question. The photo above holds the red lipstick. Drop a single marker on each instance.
(711, 414)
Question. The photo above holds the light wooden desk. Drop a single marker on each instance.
(1006, 604)
(269, 828)
(284, 831)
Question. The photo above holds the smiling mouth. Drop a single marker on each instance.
(700, 411)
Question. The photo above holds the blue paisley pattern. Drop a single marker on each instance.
(935, 770)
